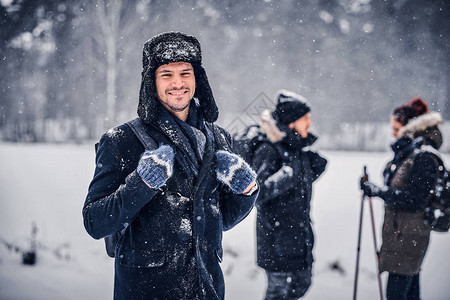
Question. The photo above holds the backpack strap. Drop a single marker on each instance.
(441, 169)
(436, 154)
(139, 130)
(219, 137)
(247, 130)
(149, 143)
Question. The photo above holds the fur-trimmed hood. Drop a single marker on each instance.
(276, 132)
(269, 127)
(425, 125)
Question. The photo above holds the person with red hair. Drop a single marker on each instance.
(409, 179)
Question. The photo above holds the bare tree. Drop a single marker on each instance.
(108, 13)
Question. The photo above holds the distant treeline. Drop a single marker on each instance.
(359, 136)
(71, 69)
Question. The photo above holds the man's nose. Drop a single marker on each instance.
(178, 81)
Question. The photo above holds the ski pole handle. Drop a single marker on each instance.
(363, 180)
(365, 177)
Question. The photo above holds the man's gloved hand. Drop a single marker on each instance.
(233, 171)
(371, 190)
(283, 173)
(156, 166)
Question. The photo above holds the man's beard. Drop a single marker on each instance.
(174, 108)
(178, 109)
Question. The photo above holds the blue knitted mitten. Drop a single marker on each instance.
(156, 166)
(233, 171)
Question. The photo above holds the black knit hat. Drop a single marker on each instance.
(290, 107)
(166, 48)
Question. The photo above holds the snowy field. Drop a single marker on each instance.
(46, 185)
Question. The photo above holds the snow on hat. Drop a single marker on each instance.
(166, 48)
(290, 107)
(412, 109)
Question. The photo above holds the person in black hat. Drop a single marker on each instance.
(171, 202)
(286, 169)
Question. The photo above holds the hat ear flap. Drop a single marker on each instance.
(147, 107)
(205, 96)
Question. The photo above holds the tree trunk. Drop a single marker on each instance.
(109, 17)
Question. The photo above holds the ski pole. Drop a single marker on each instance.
(376, 248)
(358, 248)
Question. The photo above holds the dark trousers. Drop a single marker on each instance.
(287, 285)
(403, 287)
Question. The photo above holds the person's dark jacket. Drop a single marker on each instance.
(286, 172)
(408, 179)
(172, 243)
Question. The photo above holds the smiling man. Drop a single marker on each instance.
(170, 203)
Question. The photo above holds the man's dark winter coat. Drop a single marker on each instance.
(172, 242)
(284, 234)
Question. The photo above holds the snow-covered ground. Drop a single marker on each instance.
(45, 185)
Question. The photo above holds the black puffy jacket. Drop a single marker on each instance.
(286, 172)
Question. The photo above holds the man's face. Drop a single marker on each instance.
(175, 85)
(301, 126)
